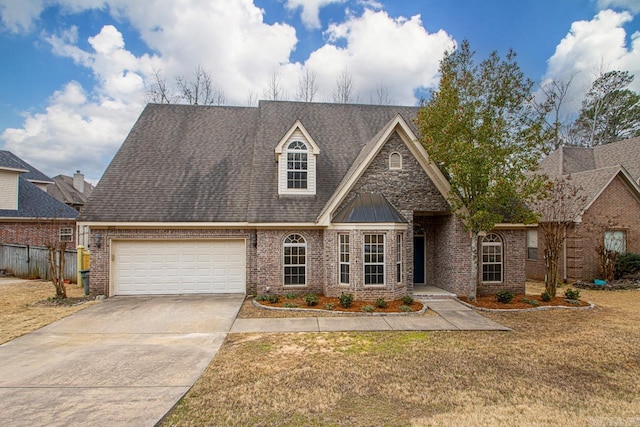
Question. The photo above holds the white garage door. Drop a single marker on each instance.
(178, 267)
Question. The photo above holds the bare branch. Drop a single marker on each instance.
(307, 87)
(343, 91)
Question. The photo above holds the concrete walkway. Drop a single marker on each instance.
(123, 362)
(452, 316)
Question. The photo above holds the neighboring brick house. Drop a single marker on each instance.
(284, 197)
(72, 191)
(28, 215)
(607, 177)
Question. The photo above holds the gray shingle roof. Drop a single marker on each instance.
(216, 164)
(63, 190)
(10, 160)
(36, 203)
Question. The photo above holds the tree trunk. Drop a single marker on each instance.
(551, 256)
(474, 266)
(56, 270)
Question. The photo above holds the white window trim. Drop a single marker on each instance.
(66, 234)
(346, 263)
(365, 264)
(486, 243)
(284, 265)
(609, 239)
(297, 132)
(303, 152)
(395, 167)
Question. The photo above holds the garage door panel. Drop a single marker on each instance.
(174, 267)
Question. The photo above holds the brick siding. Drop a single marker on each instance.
(35, 233)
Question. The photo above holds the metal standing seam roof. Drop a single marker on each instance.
(185, 163)
(369, 208)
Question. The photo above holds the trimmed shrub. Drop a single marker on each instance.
(404, 308)
(329, 306)
(273, 299)
(504, 297)
(407, 299)
(572, 294)
(346, 300)
(546, 296)
(381, 303)
(290, 295)
(627, 264)
(530, 302)
(367, 308)
(310, 299)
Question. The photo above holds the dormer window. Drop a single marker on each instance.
(297, 165)
(296, 156)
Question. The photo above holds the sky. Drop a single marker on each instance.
(75, 74)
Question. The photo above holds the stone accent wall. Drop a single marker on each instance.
(270, 262)
(99, 280)
(35, 233)
(409, 189)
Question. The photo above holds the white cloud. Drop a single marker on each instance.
(592, 47)
(19, 15)
(399, 54)
(310, 10)
(632, 5)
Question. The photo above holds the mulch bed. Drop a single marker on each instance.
(490, 301)
(614, 285)
(356, 306)
(62, 302)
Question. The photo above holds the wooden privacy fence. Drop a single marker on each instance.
(31, 262)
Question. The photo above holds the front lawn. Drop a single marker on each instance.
(557, 367)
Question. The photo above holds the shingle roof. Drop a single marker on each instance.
(216, 164)
(10, 160)
(63, 190)
(36, 203)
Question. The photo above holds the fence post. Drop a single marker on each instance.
(80, 251)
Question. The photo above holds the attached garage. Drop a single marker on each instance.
(157, 267)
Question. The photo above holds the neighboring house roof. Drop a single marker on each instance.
(369, 208)
(36, 203)
(566, 160)
(183, 163)
(10, 160)
(63, 190)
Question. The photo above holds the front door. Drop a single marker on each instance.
(418, 260)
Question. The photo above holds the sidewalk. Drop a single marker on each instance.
(452, 316)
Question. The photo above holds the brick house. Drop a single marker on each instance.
(284, 197)
(28, 215)
(607, 177)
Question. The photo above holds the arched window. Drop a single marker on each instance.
(297, 165)
(295, 260)
(491, 258)
(395, 161)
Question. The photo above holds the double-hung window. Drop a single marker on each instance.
(492, 258)
(66, 234)
(374, 259)
(399, 258)
(295, 260)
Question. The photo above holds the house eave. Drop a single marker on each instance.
(198, 225)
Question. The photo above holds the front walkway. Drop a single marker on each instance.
(452, 316)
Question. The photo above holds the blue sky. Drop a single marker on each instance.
(75, 72)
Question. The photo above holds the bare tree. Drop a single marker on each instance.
(555, 95)
(252, 99)
(159, 91)
(382, 96)
(56, 248)
(201, 90)
(274, 90)
(343, 91)
(557, 212)
(307, 87)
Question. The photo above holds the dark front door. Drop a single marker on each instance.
(418, 260)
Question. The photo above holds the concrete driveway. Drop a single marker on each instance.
(125, 361)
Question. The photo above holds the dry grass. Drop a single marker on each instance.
(558, 367)
(18, 313)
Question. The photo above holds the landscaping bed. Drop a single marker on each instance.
(522, 301)
(614, 285)
(333, 304)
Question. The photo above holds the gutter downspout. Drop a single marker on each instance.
(564, 256)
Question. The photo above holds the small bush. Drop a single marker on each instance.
(346, 300)
(262, 298)
(627, 264)
(329, 306)
(407, 300)
(546, 296)
(404, 308)
(368, 308)
(573, 294)
(381, 303)
(273, 299)
(310, 299)
(504, 297)
(290, 295)
(289, 305)
(530, 302)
